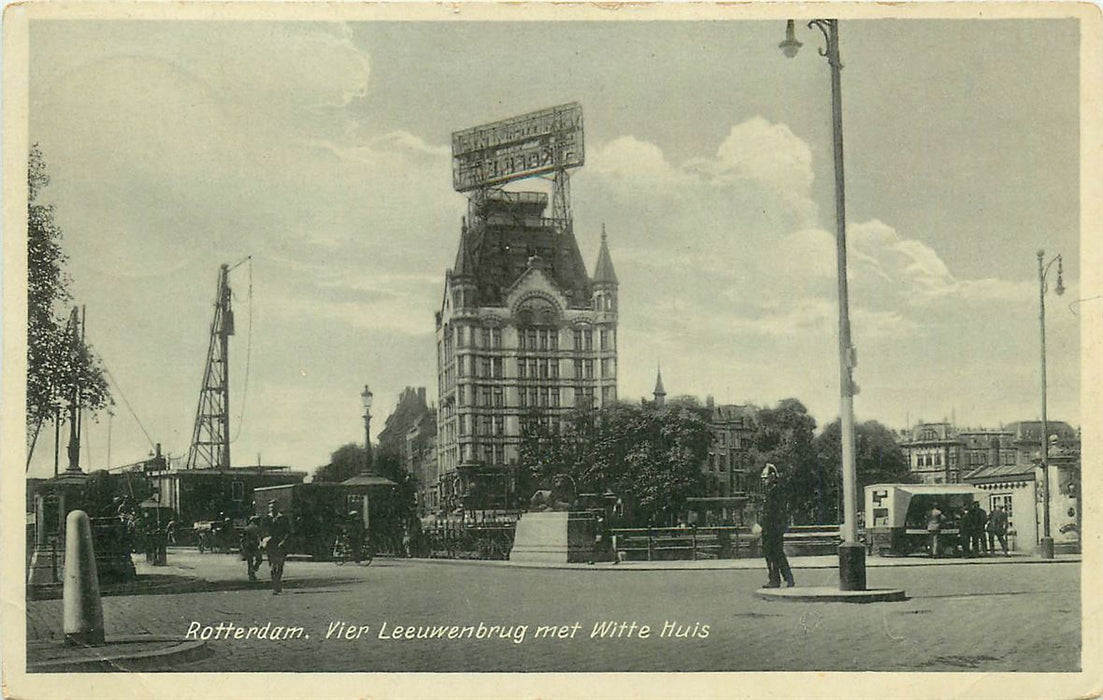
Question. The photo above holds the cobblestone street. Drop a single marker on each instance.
(1013, 616)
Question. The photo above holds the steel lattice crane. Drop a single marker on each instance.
(210, 444)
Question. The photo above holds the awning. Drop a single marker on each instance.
(368, 480)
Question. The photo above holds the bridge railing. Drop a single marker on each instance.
(720, 542)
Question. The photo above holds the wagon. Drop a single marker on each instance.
(896, 515)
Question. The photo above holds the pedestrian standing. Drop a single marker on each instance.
(279, 528)
(934, 525)
(997, 530)
(965, 525)
(774, 523)
(980, 518)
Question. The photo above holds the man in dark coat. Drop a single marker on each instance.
(774, 523)
(980, 519)
(279, 529)
(997, 530)
(250, 547)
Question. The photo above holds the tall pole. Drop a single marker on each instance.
(852, 566)
(74, 399)
(1045, 546)
(367, 441)
(846, 386)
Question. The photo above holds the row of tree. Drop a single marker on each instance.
(654, 455)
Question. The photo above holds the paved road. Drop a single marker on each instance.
(1010, 616)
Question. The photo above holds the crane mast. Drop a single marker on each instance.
(210, 445)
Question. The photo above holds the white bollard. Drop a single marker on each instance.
(81, 589)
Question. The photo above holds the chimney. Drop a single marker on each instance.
(710, 402)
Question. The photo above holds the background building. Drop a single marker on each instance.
(1006, 464)
(933, 451)
(733, 428)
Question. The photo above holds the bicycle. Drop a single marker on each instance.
(343, 552)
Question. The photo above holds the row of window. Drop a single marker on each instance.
(527, 339)
(483, 426)
(489, 338)
(934, 460)
(527, 368)
(534, 396)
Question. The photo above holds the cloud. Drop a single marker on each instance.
(179, 150)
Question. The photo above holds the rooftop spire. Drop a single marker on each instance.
(660, 392)
(465, 266)
(603, 271)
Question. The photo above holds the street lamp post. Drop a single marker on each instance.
(1045, 545)
(852, 564)
(366, 398)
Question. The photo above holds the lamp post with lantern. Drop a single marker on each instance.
(1045, 545)
(852, 565)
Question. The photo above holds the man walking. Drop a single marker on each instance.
(980, 518)
(997, 530)
(250, 546)
(774, 524)
(278, 530)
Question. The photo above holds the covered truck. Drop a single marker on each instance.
(897, 515)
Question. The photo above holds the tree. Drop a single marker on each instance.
(345, 462)
(784, 437)
(390, 511)
(62, 370)
(878, 459)
(651, 456)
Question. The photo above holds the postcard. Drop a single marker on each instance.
(551, 350)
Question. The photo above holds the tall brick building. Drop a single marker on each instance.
(523, 332)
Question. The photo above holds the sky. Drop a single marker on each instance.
(321, 152)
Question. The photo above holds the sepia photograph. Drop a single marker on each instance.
(509, 346)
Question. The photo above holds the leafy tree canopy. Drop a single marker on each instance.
(62, 369)
(648, 455)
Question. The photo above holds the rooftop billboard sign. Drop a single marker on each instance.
(512, 149)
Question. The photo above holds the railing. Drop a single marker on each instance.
(490, 541)
(666, 543)
(722, 542)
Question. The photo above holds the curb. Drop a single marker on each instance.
(794, 562)
(113, 656)
(822, 594)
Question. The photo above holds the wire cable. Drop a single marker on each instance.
(248, 353)
(114, 381)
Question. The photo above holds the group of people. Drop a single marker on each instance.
(268, 535)
(978, 531)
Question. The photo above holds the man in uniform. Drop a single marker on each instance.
(279, 528)
(774, 523)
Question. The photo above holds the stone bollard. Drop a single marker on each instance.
(81, 589)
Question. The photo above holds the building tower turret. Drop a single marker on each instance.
(660, 392)
(605, 279)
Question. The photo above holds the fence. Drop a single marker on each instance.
(723, 542)
(489, 541)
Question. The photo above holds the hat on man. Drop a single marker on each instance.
(769, 471)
